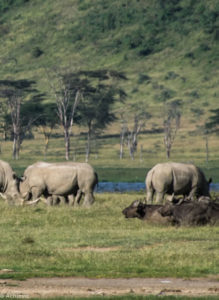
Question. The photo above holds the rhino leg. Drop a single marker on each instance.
(56, 200)
(150, 194)
(78, 197)
(88, 199)
(71, 200)
(64, 200)
(192, 194)
(49, 200)
(159, 197)
(36, 192)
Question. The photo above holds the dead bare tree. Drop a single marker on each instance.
(14, 92)
(123, 132)
(140, 118)
(171, 124)
(66, 119)
(67, 98)
(14, 101)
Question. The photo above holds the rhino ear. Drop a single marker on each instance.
(14, 176)
(135, 203)
(22, 178)
(210, 180)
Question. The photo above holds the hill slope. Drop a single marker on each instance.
(167, 49)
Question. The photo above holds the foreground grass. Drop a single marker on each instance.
(99, 242)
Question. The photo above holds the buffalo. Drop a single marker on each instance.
(191, 213)
(176, 179)
(143, 211)
(59, 181)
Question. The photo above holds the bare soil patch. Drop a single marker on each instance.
(74, 286)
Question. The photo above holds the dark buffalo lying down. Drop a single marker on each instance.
(192, 212)
(138, 209)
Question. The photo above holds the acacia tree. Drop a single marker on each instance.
(213, 121)
(208, 126)
(15, 91)
(67, 90)
(129, 133)
(100, 91)
(3, 122)
(123, 133)
(171, 124)
(140, 118)
(211, 126)
(46, 123)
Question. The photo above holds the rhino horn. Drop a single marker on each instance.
(33, 202)
(3, 196)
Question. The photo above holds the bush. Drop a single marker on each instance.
(37, 52)
(143, 78)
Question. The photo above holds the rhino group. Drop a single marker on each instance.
(59, 180)
(176, 179)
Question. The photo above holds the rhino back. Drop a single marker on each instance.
(59, 179)
(185, 177)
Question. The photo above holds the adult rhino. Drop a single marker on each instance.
(176, 179)
(9, 185)
(59, 180)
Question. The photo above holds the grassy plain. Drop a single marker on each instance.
(43, 241)
(105, 154)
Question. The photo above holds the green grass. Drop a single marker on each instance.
(99, 242)
(106, 161)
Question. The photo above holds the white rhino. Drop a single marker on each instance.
(9, 185)
(176, 179)
(54, 180)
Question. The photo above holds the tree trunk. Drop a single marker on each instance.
(14, 152)
(122, 138)
(46, 146)
(16, 146)
(207, 148)
(88, 143)
(168, 152)
(67, 144)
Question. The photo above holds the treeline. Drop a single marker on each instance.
(85, 98)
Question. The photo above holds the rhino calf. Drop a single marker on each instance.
(176, 179)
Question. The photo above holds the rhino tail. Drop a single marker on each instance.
(96, 179)
(149, 181)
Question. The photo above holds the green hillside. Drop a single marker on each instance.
(167, 49)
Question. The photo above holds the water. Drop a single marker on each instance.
(122, 187)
